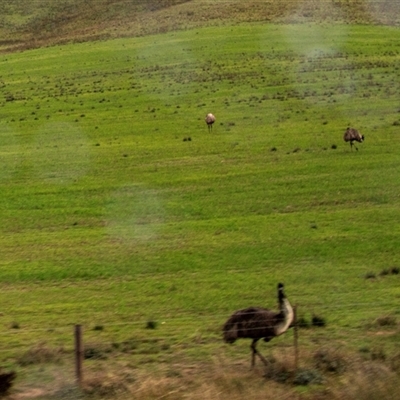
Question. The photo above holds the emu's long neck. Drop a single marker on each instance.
(286, 310)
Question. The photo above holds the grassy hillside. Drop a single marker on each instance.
(25, 24)
(120, 211)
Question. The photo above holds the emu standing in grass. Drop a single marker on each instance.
(352, 135)
(259, 323)
(210, 119)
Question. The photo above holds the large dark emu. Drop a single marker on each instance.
(259, 323)
(352, 135)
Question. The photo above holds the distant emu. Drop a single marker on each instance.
(210, 119)
(259, 323)
(352, 135)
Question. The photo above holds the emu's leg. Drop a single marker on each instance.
(254, 352)
(352, 144)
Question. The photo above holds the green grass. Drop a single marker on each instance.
(109, 217)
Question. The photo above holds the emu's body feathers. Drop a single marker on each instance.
(252, 323)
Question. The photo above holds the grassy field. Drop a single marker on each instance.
(121, 212)
(24, 24)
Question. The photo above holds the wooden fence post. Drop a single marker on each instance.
(78, 354)
(296, 339)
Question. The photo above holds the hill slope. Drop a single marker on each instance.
(25, 24)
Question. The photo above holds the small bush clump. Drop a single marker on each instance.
(40, 354)
(378, 354)
(386, 320)
(106, 385)
(278, 371)
(15, 325)
(96, 352)
(126, 346)
(328, 360)
(98, 328)
(307, 376)
(318, 321)
(151, 324)
(390, 271)
(395, 270)
(384, 272)
(370, 275)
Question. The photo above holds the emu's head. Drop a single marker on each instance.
(281, 295)
(362, 138)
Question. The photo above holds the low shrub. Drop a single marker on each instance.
(40, 354)
(278, 371)
(151, 324)
(307, 377)
(318, 321)
(386, 320)
(105, 384)
(96, 351)
(329, 360)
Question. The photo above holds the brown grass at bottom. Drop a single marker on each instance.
(218, 378)
(370, 381)
(215, 381)
(221, 378)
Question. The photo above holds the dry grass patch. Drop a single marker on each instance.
(108, 384)
(386, 320)
(369, 381)
(383, 325)
(41, 353)
(218, 379)
(221, 378)
(329, 360)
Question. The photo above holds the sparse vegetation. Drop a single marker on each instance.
(151, 324)
(96, 351)
(318, 321)
(330, 360)
(279, 371)
(107, 385)
(307, 377)
(386, 320)
(41, 354)
(15, 325)
(98, 328)
(370, 275)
